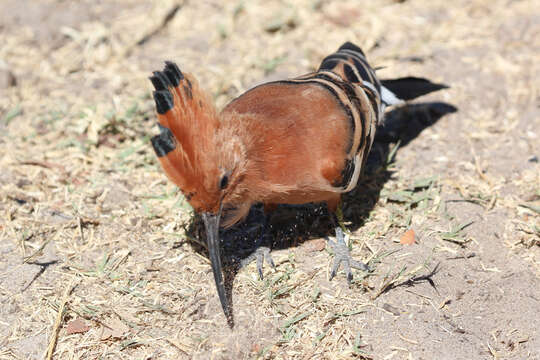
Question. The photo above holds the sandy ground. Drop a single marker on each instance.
(96, 261)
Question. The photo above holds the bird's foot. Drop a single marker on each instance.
(342, 255)
(260, 254)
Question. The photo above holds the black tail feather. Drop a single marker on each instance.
(350, 46)
(409, 88)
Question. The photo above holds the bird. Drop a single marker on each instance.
(294, 141)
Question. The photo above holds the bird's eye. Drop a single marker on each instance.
(224, 181)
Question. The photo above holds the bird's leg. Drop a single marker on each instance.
(341, 249)
(261, 252)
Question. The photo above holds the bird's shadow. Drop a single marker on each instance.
(289, 225)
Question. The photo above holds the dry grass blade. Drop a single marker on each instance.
(336, 316)
(404, 277)
(534, 208)
(455, 235)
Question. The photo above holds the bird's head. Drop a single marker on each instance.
(201, 154)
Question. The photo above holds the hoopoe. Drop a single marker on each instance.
(284, 142)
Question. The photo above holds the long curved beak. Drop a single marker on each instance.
(211, 223)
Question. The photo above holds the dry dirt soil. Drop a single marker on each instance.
(101, 258)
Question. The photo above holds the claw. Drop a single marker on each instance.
(262, 253)
(342, 255)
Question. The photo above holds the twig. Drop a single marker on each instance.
(38, 252)
(407, 340)
(58, 321)
(536, 209)
(477, 165)
(169, 15)
(186, 349)
(44, 164)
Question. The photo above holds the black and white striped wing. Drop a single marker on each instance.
(350, 78)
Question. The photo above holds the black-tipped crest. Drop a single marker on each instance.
(173, 73)
(160, 81)
(164, 142)
(187, 90)
(171, 76)
(164, 101)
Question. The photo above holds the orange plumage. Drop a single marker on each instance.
(286, 142)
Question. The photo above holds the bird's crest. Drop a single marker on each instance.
(187, 121)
